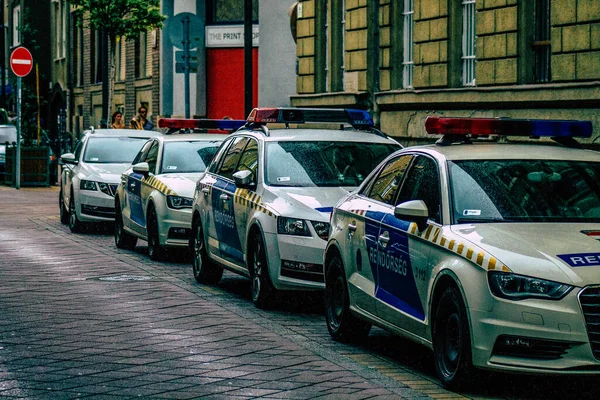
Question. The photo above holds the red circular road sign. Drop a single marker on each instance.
(21, 62)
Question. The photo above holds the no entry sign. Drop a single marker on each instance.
(21, 62)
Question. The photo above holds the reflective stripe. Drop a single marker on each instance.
(158, 185)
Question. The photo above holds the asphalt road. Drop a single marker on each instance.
(80, 318)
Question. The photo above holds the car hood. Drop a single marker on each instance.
(109, 173)
(182, 184)
(313, 203)
(561, 252)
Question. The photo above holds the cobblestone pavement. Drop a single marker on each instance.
(80, 318)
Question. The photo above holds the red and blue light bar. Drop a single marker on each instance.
(534, 128)
(359, 119)
(218, 124)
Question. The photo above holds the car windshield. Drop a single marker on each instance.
(525, 191)
(112, 150)
(188, 156)
(322, 163)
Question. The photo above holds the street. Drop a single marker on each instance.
(80, 318)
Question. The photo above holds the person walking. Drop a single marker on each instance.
(117, 121)
(141, 122)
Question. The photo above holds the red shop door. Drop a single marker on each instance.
(225, 82)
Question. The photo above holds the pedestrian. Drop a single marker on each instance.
(117, 121)
(141, 122)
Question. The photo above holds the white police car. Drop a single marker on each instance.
(486, 253)
(262, 208)
(154, 198)
(91, 173)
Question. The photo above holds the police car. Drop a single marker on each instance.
(91, 173)
(486, 253)
(262, 208)
(154, 198)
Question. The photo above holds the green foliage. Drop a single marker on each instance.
(126, 18)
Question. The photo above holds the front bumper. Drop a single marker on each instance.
(175, 227)
(295, 262)
(533, 336)
(95, 206)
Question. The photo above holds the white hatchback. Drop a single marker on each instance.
(486, 253)
(262, 208)
(91, 173)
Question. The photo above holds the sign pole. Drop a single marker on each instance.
(18, 157)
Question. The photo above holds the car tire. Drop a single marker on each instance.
(64, 213)
(155, 250)
(205, 270)
(452, 340)
(123, 239)
(75, 225)
(343, 326)
(261, 287)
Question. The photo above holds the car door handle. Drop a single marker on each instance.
(352, 227)
(224, 197)
(384, 238)
(132, 185)
(206, 191)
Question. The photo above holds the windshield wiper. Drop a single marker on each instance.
(480, 219)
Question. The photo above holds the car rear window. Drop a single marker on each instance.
(112, 150)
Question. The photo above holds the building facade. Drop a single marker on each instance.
(407, 59)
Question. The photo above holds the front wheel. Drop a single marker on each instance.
(205, 270)
(75, 225)
(64, 213)
(123, 240)
(155, 250)
(343, 326)
(452, 340)
(262, 289)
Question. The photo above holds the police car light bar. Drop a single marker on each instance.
(183, 123)
(359, 119)
(534, 128)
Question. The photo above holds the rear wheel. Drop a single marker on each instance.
(64, 213)
(75, 225)
(123, 240)
(262, 288)
(452, 340)
(155, 250)
(341, 323)
(205, 270)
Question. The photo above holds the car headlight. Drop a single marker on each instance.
(104, 188)
(179, 202)
(519, 287)
(292, 226)
(322, 229)
(87, 185)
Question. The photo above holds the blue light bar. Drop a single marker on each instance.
(558, 128)
(359, 119)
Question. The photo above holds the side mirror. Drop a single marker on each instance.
(141, 168)
(243, 179)
(68, 158)
(413, 211)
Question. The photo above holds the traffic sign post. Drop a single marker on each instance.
(21, 63)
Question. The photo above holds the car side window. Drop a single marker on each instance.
(423, 183)
(249, 159)
(78, 149)
(141, 156)
(227, 168)
(385, 187)
(218, 158)
(152, 157)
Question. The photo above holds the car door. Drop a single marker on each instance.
(403, 257)
(68, 172)
(368, 209)
(129, 199)
(223, 194)
(136, 187)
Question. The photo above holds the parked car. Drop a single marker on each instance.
(486, 253)
(262, 208)
(155, 195)
(91, 174)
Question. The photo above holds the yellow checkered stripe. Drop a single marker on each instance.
(158, 185)
(251, 200)
(471, 252)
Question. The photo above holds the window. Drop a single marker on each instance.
(120, 59)
(338, 30)
(141, 56)
(152, 157)
(321, 46)
(541, 43)
(142, 153)
(468, 43)
(213, 167)
(407, 60)
(77, 51)
(422, 183)
(386, 186)
(232, 157)
(60, 34)
(16, 26)
(229, 11)
(96, 56)
(249, 159)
